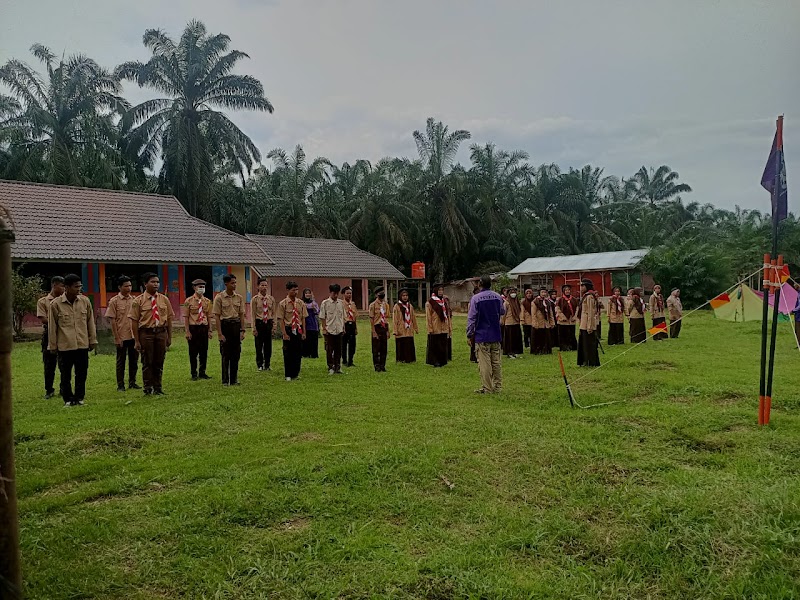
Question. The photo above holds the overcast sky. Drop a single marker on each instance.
(695, 84)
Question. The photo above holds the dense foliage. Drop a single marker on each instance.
(72, 126)
(26, 292)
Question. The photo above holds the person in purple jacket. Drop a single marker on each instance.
(483, 332)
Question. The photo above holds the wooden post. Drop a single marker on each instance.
(10, 574)
(181, 284)
(165, 280)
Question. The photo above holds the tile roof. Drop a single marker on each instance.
(54, 222)
(319, 257)
(597, 261)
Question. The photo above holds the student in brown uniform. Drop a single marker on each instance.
(566, 309)
(197, 323)
(119, 307)
(350, 327)
(331, 318)
(405, 327)
(553, 297)
(49, 359)
(71, 334)
(616, 318)
(527, 317)
(543, 319)
(291, 317)
(588, 355)
(657, 311)
(636, 309)
(379, 315)
(262, 312)
(228, 308)
(438, 323)
(675, 308)
(151, 321)
(511, 320)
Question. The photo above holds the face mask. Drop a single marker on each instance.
(513, 295)
(201, 290)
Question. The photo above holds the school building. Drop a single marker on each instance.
(315, 263)
(102, 234)
(604, 269)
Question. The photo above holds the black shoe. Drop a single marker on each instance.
(49, 395)
(148, 391)
(158, 392)
(120, 388)
(133, 386)
(225, 384)
(203, 376)
(236, 383)
(194, 377)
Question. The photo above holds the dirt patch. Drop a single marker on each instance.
(113, 440)
(657, 364)
(694, 444)
(298, 523)
(728, 397)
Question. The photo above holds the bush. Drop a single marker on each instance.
(26, 292)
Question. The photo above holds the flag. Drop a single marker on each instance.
(660, 328)
(784, 273)
(720, 300)
(776, 171)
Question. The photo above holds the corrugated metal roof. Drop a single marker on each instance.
(56, 222)
(596, 261)
(320, 257)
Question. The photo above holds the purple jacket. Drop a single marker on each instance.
(483, 319)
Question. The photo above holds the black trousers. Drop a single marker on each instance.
(154, 350)
(292, 354)
(78, 360)
(231, 350)
(526, 335)
(198, 348)
(333, 351)
(50, 361)
(127, 352)
(675, 328)
(588, 355)
(349, 343)
(380, 347)
(311, 344)
(263, 343)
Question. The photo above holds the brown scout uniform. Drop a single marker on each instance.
(118, 309)
(49, 359)
(230, 310)
(263, 326)
(199, 328)
(154, 336)
(72, 332)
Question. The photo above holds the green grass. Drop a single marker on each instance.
(336, 487)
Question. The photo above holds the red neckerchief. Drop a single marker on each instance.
(567, 301)
(442, 305)
(406, 310)
(620, 303)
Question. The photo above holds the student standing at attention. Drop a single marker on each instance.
(405, 327)
(311, 341)
(196, 321)
(331, 316)
(72, 334)
(350, 327)
(512, 334)
(230, 313)
(616, 318)
(437, 314)
(379, 320)
(262, 312)
(49, 359)
(151, 321)
(118, 309)
(291, 316)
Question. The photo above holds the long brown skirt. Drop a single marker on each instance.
(658, 321)
(616, 334)
(437, 350)
(405, 352)
(638, 334)
(566, 338)
(587, 350)
(540, 341)
(512, 340)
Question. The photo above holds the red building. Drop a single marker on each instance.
(604, 269)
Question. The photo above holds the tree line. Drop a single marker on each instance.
(69, 123)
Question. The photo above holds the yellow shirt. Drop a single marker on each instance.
(71, 324)
(119, 307)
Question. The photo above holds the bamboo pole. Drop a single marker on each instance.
(10, 575)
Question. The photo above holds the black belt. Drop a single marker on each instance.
(154, 329)
(231, 320)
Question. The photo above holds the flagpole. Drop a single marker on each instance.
(762, 385)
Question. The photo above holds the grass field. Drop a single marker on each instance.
(337, 487)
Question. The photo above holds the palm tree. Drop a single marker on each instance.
(657, 186)
(62, 126)
(196, 77)
(441, 191)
